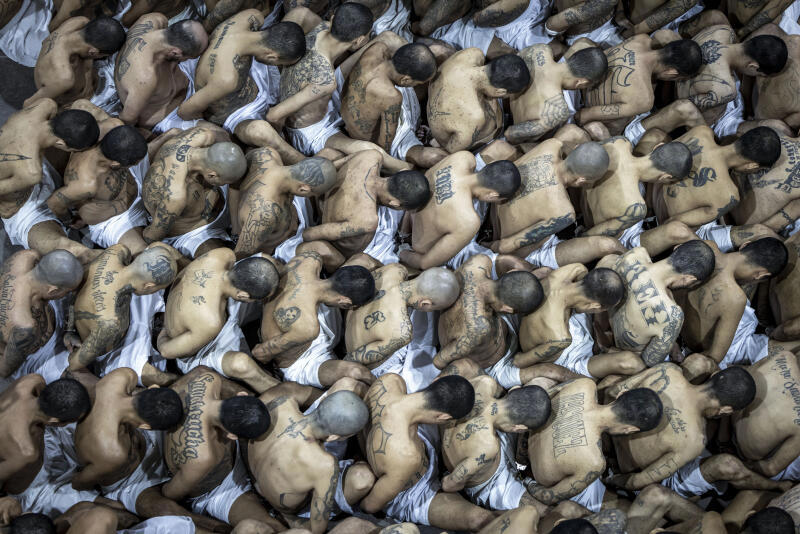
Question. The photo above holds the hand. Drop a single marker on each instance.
(494, 246)
(618, 481)
(77, 223)
(261, 354)
(9, 509)
(72, 341)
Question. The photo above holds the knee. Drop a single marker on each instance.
(359, 478)
(479, 518)
(714, 17)
(238, 364)
(356, 371)
(252, 526)
(630, 364)
(686, 110)
(570, 510)
(608, 245)
(678, 232)
(654, 495)
(725, 467)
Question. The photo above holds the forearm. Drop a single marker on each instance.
(768, 13)
(566, 488)
(186, 344)
(535, 233)
(460, 347)
(589, 11)
(546, 352)
(659, 347)
(372, 353)
(604, 113)
(441, 12)
(665, 14)
(60, 205)
(222, 11)
(696, 217)
(101, 340)
(461, 474)
(783, 217)
(274, 346)
(333, 231)
(528, 131)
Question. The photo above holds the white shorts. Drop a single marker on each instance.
(414, 362)
(51, 492)
(631, 236)
(150, 472)
(34, 211)
(688, 481)
(110, 231)
(172, 120)
(471, 249)
(604, 36)
(302, 206)
(788, 21)
(340, 501)
(268, 80)
(396, 18)
(166, 524)
(189, 242)
(504, 489)
(405, 137)
(34, 362)
(747, 347)
(136, 349)
(718, 233)
(382, 245)
(305, 369)
(634, 131)
(217, 502)
(729, 122)
(105, 95)
(21, 39)
(576, 357)
(229, 338)
(503, 370)
(412, 504)
(792, 471)
(311, 139)
(545, 255)
(592, 497)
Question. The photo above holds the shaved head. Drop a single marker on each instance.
(156, 264)
(227, 160)
(59, 268)
(318, 173)
(440, 285)
(342, 413)
(588, 160)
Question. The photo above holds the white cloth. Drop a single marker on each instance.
(592, 497)
(382, 245)
(504, 489)
(229, 338)
(396, 18)
(136, 348)
(792, 471)
(747, 347)
(285, 251)
(729, 122)
(339, 499)
(105, 96)
(691, 12)
(305, 369)
(21, 39)
(275, 15)
(34, 362)
(718, 233)
(688, 481)
(51, 491)
(545, 255)
(110, 231)
(167, 524)
(187, 13)
(172, 120)
(311, 139)
(473, 247)
(35, 209)
(576, 356)
(414, 362)
(604, 36)
(413, 504)
(217, 502)
(405, 137)
(189, 242)
(150, 472)
(788, 21)
(791, 229)
(634, 130)
(268, 79)
(503, 370)
(631, 236)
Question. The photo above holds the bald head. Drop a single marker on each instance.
(156, 265)
(342, 413)
(317, 173)
(227, 160)
(588, 160)
(59, 268)
(440, 285)
(188, 36)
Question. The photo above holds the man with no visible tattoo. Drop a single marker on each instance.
(30, 324)
(772, 96)
(400, 447)
(201, 324)
(566, 454)
(203, 454)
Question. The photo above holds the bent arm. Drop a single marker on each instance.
(338, 230)
(185, 344)
(566, 488)
(608, 112)
(535, 233)
(461, 474)
(198, 103)
(546, 352)
(787, 452)
(385, 489)
(102, 339)
(663, 15)
(322, 500)
(440, 253)
(724, 332)
(591, 10)
(768, 13)
(293, 104)
(375, 352)
(654, 473)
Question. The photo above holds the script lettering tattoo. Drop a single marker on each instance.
(186, 441)
(285, 317)
(677, 424)
(161, 271)
(791, 386)
(212, 61)
(568, 428)
(391, 115)
(443, 184)
(222, 31)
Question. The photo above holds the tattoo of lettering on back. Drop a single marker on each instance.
(374, 318)
(494, 17)
(477, 424)
(792, 168)
(391, 115)
(384, 439)
(677, 424)
(540, 59)
(22, 341)
(285, 317)
(223, 30)
(443, 184)
(212, 61)
(295, 428)
(186, 441)
(660, 376)
(180, 155)
(201, 276)
(568, 427)
(373, 399)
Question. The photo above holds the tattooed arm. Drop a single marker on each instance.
(464, 345)
(163, 202)
(612, 227)
(201, 100)
(663, 467)
(533, 234)
(588, 11)
(137, 100)
(461, 474)
(779, 459)
(222, 11)
(500, 13)
(611, 112)
(187, 343)
(663, 15)
(546, 352)
(768, 13)
(785, 216)
(375, 352)
(322, 500)
(658, 348)
(22, 342)
(102, 339)
(554, 114)
(441, 12)
(186, 479)
(310, 93)
(72, 193)
(566, 488)
(333, 231)
(299, 334)
(443, 250)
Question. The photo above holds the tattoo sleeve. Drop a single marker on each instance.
(323, 501)
(565, 489)
(554, 113)
(22, 342)
(665, 14)
(658, 348)
(535, 233)
(768, 13)
(102, 339)
(589, 11)
(375, 352)
(222, 11)
(633, 214)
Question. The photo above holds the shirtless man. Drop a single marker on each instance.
(31, 412)
(542, 107)
(297, 439)
(719, 322)
(782, 295)
(224, 79)
(715, 84)
(463, 107)
(623, 216)
(27, 320)
(203, 454)
(102, 306)
(561, 329)
(673, 452)
(355, 209)
(478, 450)
(445, 226)
(648, 321)
(102, 185)
(201, 324)
(627, 89)
(267, 211)
(771, 99)
(750, 16)
(403, 457)
(291, 325)
(566, 454)
(146, 74)
(26, 178)
(380, 328)
(184, 190)
(647, 16)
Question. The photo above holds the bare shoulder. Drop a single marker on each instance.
(146, 23)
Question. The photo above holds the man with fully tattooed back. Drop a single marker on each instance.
(203, 454)
(186, 189)
(566, 454)
(648, 320)
(627, 90)
(272, 204)
(102, 307)
(29, 324)
(464, 112)
(147, 77)
(201, 325)
(27, 179)
(319, 483)
(300, 325)
(65, 68)
(236, 77)
(401, 450)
